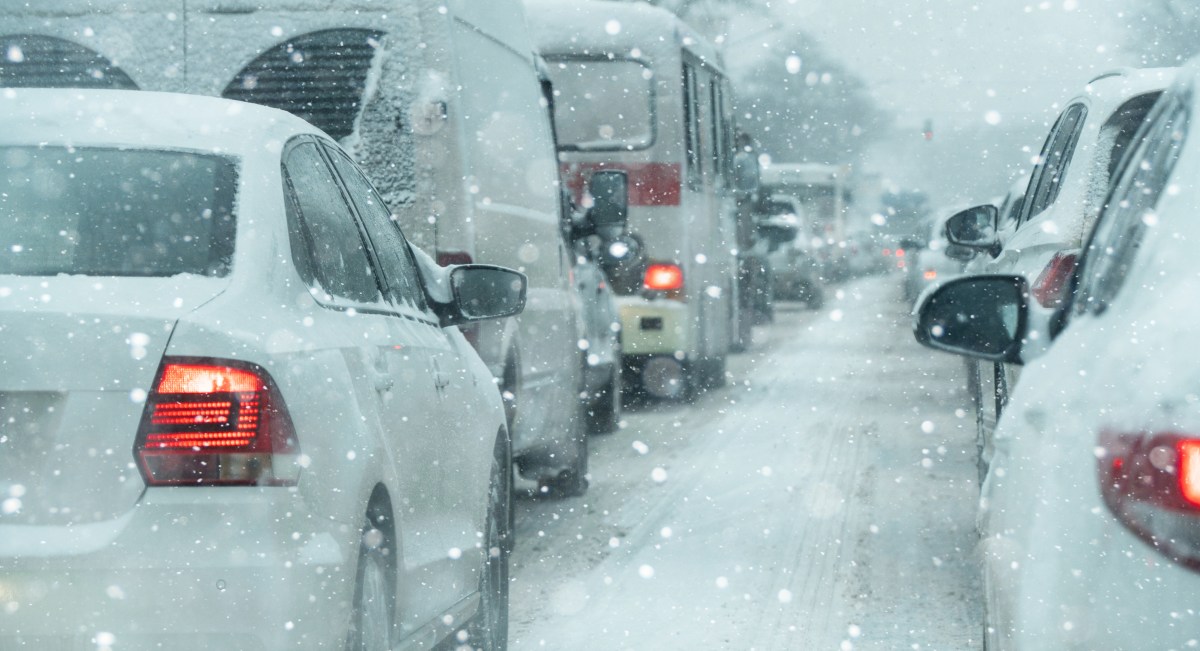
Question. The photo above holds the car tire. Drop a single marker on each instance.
(488, 631)
(604, 414)
(572, 482)
(374, 607)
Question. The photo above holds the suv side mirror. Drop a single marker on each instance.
(610, 202)
(985, 317)
(483, 291)
(974, 228)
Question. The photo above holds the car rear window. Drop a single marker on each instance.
(115, 212)
(602, 104)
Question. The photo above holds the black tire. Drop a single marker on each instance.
(572, 482)
(604, 415)
(374, 608)
(815, 297)
(489, 629)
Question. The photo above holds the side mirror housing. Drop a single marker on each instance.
(777, 232)
(974, 228)
(746, 173)
(609, 213)
(985, 317)
(481, 292)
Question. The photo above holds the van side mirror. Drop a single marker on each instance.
(610, 202)
(746, 173)
(974, 228)
(985, 317)
(481, 292)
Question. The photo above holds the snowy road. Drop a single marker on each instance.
(823, 500)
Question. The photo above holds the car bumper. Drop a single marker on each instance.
(654, 327)
(252, 574)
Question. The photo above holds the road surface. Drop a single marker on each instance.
(824, 499)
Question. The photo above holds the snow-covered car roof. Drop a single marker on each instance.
(1115, 87)
(143, 118)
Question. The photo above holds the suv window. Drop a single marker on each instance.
(1052, 165)
(1130, 209)
(391, 249)
(337, 258)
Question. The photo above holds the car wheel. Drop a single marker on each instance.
(604, 415)
(814, 297)
(572, 482)
(489, 629)
(374, 595)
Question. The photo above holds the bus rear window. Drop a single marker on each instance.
(115, 212)
(602, 104)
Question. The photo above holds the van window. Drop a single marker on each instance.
(113, 212)
(1052, 165)
(319, 77)
(46, 62)
(691, 131)
(602, 104)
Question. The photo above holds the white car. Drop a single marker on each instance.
(1064, 195)
(235, 414)
(1090, 513)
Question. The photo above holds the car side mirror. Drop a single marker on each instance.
(974, 228)
(985, 317)
(610, 202)
(746, 173)
(481, 292)
(777, 232)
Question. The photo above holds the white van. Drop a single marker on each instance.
(462, 152)
(637, 90)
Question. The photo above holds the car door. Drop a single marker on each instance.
(388, 357)
(1044, 185)
(460, 449)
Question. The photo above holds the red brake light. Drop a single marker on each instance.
(887, 252)
(1189, 471)
(1151, 483)
(930, 274)
(1050, 285)
(899, 253)
(663, 277)
(447, 258)
(216, 423)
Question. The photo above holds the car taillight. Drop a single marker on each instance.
(216, 422)
(899, 253)
(663, 277)
(447, 258)
(1151, 483)
(930, 274)
(1050, 285)
(887, 252)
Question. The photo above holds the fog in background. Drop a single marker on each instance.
(867, 77)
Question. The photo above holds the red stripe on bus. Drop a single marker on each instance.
(650, 184)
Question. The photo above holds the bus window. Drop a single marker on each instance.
(602, 105)
(691, 131)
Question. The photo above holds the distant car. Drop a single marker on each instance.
(937, 262)
(796, 271)
(1090, 515)
(236, 414)
(1065, 193)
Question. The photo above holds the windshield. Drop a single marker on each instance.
(602, 105)
(115, 212)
